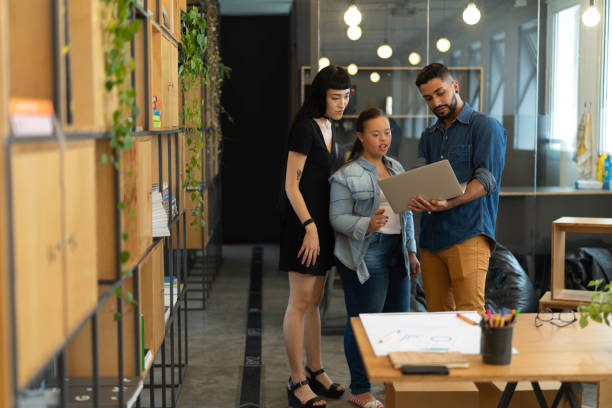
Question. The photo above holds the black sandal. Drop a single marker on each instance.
(318, 388)
(295, 401)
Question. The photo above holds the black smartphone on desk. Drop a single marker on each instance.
(424, 369)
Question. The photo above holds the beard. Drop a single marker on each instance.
(451, 108)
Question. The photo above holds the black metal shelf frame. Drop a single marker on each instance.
(175, 258)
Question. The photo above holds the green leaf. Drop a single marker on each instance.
(584, 321)
(132, 213)
(118, 292)
(130, 173)
(125, 255)
(104, 158)
(129, 297)
(117, 316)
(121, 205)
(124, 236)
(127, 273)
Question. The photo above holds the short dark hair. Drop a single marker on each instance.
(435, 70)
(315, 103)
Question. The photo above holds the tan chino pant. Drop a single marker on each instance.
(454, 279)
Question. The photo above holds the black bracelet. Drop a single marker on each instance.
(308, 221)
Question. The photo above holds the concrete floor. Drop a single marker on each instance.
(217, 339)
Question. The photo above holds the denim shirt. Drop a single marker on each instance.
(475, 146)
(355, 195)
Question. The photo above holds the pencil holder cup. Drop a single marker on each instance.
(496, 344)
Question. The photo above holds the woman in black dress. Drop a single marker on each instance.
(307, 239)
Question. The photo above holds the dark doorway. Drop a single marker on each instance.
(256, 97)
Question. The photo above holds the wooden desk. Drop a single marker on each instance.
(548, 352)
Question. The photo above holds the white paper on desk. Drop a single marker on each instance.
(434, 332)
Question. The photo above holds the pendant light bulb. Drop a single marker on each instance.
(374, 77)
(384, 51)
(352, 69)
(352, 16)
(471, 14)
(414, 58)
(591, 16)
(353, 33)
(443, 44)
(323, 62)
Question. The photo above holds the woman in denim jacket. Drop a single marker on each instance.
(375, 248)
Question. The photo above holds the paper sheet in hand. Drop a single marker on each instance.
(435, 181)
(434, 332)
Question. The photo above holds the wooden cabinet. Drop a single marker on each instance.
(136, 195)
(87, 91)
(170, 84)
(31, 51)
(38, 242)
(164, 85)
(80, 231)
(54, 241)
(152, 294)
(6, 357)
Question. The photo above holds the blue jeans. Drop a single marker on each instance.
(387, 290)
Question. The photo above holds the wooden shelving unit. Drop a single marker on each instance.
(6, 384)
(557, 269)
(61, 232)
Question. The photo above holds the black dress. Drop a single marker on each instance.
(306, 138)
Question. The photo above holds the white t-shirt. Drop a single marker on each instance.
(393, 225)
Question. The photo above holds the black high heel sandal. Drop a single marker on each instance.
(318, 388)
(295, 401)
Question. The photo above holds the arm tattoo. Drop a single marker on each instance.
(299, 175)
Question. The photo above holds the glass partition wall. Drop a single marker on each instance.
(534, 65)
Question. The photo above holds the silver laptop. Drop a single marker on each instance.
(435, 181)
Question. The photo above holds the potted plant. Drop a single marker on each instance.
(600, 307)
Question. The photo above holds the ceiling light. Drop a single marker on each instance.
(384, 51)
(443, 44)
(591, 16)
(353, 33)
(374, 77)
(414, 58)
(323, 62)
(352, 16)
(471, 14)
(352, 69)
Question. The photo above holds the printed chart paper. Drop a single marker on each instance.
(426, 332)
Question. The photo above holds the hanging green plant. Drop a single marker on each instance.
(217, 71)
(191, 70)
(118, 66)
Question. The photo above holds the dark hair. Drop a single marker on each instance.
(315, 103)
(368, 114)
(432, 71)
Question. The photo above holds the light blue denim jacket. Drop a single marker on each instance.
(355, 195)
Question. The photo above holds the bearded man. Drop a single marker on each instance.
(458, 235)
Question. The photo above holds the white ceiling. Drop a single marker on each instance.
(254, 7)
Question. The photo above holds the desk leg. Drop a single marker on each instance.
(570, 390)
(506, 397)
(538, 392)
(389, 395)
(604, 394)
